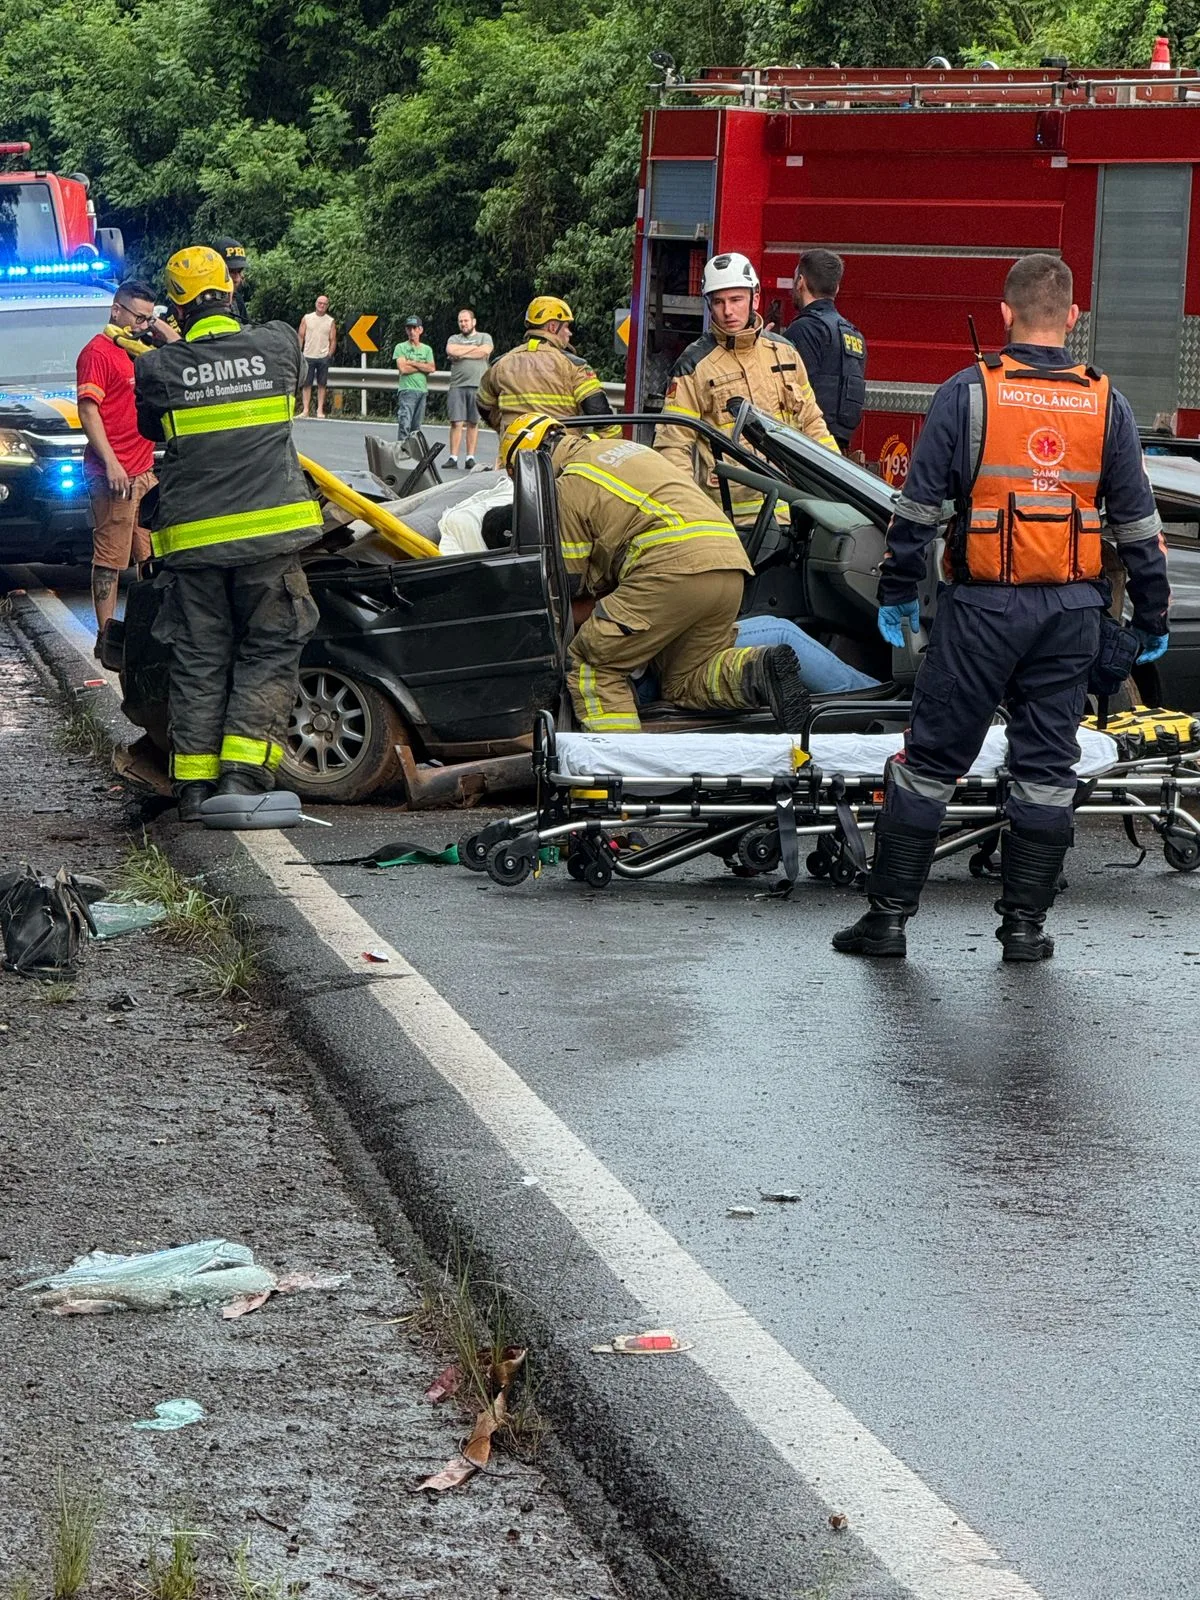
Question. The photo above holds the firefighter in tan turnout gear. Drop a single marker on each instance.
(668, 575)
(735, 359)
(542, 374)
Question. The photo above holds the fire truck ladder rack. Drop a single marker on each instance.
(828, 89)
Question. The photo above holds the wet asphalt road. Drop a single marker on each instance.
(992, 1262)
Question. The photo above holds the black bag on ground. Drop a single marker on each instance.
(1115, 657)
(44, 922)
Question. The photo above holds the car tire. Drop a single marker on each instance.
(341, 741)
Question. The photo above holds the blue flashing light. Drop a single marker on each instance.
(69, 481)
(58, 269)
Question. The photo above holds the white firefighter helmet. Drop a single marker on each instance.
(730, 271)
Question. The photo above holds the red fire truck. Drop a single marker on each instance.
(47, 221)
(930, 184)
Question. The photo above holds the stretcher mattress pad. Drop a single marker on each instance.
(759, 757)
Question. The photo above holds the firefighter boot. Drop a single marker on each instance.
(903, 857)
(773, 679)
(1030, 864)
(239, 783)
(191, 796)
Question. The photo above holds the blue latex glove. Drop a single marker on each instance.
(890, 618)
(1153, 645)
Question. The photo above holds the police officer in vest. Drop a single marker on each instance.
(233, 510)
(834, 351)
(1031, 448)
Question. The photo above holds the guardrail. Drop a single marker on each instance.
(384, 378)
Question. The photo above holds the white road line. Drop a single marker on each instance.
(913, 1533)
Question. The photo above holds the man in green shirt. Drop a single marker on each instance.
(414, 361)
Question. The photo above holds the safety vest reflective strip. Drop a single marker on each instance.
(196, 769)
(251, 752)
(235, 414)
(237, 525)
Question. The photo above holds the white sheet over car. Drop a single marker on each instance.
(763, 756)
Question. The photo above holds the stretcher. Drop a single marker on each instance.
(633, 805)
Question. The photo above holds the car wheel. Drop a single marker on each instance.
(341, 740)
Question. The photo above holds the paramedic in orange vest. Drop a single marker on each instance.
(1032, 449)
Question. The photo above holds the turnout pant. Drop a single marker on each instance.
(235, 635)
(1028, 646)
(687, 622)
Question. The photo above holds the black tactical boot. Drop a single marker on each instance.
(1030, 865)
(191, 796)
(774, 679)
(238, 783)
(903, 857)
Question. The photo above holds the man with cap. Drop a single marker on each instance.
(414, 362)
(234, 256)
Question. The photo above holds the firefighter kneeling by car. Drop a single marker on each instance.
(233, 509)
(668, 572)
(1028, 446)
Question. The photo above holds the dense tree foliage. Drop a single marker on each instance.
(403, 157)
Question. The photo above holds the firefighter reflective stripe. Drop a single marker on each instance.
(236, 414)
(675, 534)
(731, 662)
(207, 326)
(528, 400)
(595, 718)
(679, 411)
(623, 491)
(578, 552)
(239, 525)
(589, 385)
(195, 769)
(251, 752)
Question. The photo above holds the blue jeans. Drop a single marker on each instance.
(410, 410)
(821, 672)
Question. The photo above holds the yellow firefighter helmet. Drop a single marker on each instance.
(527, 432)
(196, 271)
(547, 308)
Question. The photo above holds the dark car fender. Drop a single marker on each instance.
(360, 666)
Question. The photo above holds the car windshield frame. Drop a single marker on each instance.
(39, 344)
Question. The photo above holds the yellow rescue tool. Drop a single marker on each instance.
(406, 540)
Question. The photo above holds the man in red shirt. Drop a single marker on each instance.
(118, 461)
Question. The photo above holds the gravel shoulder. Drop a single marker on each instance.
(185, 1118)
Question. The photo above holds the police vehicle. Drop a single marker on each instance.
(47, 314)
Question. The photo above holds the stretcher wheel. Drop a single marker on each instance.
(843, 873)
(1181, 848)
(817, 865)
(597, 874)
(576, 865)
(506, 868)
(472, 854)
(760, 849)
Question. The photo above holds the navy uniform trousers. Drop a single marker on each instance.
(1029, 647)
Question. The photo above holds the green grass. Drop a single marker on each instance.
(206, 925)
(178, 1577)
(58, 992)
(470, 1318)
(21, 1588)
(74, 1521)
(244, 1586)
(82, 732)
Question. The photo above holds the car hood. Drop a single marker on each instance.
(40, 410)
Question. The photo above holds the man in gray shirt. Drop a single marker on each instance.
(468, 352)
